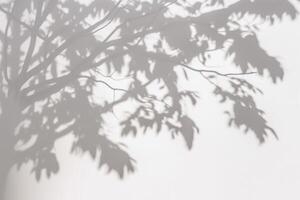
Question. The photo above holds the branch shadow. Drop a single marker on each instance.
(55, 54)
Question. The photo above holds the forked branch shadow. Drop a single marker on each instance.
(55, 54)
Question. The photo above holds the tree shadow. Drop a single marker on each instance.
(55, 54)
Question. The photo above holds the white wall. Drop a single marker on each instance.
(224, 164)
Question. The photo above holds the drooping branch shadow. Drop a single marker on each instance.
(55, 54)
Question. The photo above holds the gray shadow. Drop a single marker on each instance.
(52, 60)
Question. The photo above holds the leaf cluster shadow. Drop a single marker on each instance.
(56, 54)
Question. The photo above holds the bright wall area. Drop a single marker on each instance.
(224, 164)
